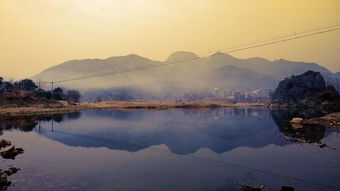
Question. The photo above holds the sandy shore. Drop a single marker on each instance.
(64, 107)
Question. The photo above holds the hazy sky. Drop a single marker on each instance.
(37, 34)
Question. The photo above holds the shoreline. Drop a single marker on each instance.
(63, 107)
(331, 120)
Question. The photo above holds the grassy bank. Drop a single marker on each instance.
(64, 107)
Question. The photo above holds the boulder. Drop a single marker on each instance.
(4, 143)
(251, 188)
(11, 170)
(10, 152)
(9, 148)
(296, 120)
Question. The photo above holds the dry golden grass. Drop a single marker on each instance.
(331, 120)
(64, 107)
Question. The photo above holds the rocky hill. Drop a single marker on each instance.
(307, 89)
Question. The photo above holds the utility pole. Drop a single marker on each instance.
(39, 128)
(52, 89)
(52, 125)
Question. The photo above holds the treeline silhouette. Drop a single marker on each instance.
(25, 88)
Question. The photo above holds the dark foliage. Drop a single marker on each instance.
(28, 87)
(73, 95)
(25, 85)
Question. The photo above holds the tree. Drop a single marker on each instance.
(58, 93)
(73, 95)
(48, 95)
(8, 87)
(58, 90)
(1, 85)
(26, 85)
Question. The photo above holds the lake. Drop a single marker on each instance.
(182, 150)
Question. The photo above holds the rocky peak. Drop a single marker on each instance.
(300, 87)
(182, 55)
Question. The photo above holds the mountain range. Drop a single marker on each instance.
(183, 72)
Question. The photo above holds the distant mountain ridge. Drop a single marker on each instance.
(185, 71)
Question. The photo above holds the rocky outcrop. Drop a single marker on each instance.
(9, 151)
(298, 88)
(4, 182)
(307, 89)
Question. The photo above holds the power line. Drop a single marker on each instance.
(277, 40)
(284, 40)
(267, 40)
(283, 36)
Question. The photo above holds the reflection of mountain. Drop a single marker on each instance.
(183, 131)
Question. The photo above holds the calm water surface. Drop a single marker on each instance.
(184, 150)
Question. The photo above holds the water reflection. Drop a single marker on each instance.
(183, 131)
(29, 123)
(177, 150)
(310, 134)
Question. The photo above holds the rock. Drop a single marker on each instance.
(251, 188)
(4, 183)
(7, 149)
(331, 147)
(11, 170)
(20, 150)
(323, 145)
(10, 152)
(4, 143)
(296, 123)
(308, 90)
(297, 88)
(296, 120)
(287, 188)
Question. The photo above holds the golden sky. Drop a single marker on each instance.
(37, 34)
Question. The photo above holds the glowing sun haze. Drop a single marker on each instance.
(37, 34)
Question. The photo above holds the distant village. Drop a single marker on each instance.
(245, 95)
